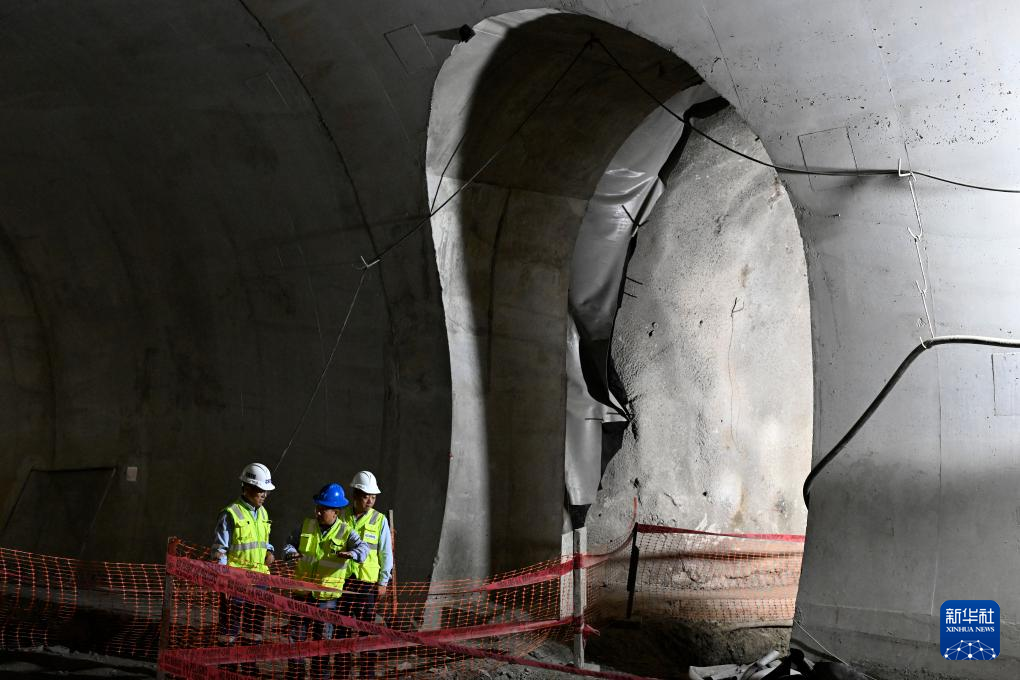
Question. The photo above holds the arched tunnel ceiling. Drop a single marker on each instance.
(154, 153)
(502, 76)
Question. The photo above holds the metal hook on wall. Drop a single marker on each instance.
(923, 290)
(913, 196)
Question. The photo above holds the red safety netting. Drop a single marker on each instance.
(702, 576)
(268, 625)
(227, 622)
(106, 607)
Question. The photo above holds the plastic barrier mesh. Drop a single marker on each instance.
(230, 623)
(273, 626)
(700, 576)
(107, 607)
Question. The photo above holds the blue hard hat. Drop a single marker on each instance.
(331, 496)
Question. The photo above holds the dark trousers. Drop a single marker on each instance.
(300, 629)
(237, 616)
(358, 601)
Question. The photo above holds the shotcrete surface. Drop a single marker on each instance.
(712, 344)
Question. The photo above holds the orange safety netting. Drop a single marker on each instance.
(107, 607)
(270, 625)
(227, 622)
(701, 576)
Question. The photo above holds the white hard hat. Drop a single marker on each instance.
(365, 481)
(257, 475)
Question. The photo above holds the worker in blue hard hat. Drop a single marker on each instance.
(324, 546)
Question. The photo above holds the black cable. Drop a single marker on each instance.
(425, 220)
(897, 374)
(367, 265)
(322, 373)
(686, 121)
(917, 351)
(785, 169)
(964, 184)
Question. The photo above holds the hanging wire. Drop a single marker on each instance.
(434, 210)
(322, 373)
(367, 264)
(471, 180)
(782, 168)
(825, 649)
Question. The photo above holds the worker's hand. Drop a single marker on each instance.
(347, 555)
(270, 558)
(382, 590)
(291, 555)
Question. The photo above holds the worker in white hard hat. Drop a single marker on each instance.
(367, 581)
(242, 541)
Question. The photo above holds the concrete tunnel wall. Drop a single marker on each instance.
(723, 403)
(182, 231)
(504, 251)
(890, 536)
(117, 253)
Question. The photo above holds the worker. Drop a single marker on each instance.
(324, 547)
(366, 582)
(242, 541)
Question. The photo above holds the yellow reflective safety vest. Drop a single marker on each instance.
(249, 540)
(320, 562)
(369, 528)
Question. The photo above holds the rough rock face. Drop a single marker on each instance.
(714, 351)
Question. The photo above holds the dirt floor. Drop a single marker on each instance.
(60, 662)
(665, 649)
(658, 649)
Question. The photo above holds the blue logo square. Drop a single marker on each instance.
(970, 630)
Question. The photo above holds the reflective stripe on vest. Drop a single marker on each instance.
(369, 528)
(319, 562)
(249, 541)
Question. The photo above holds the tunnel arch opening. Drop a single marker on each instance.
(504, 250)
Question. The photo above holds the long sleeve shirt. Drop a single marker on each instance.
(385, 554)
(357, 547)
(225, 529)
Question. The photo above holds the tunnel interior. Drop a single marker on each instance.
(174, 288)
(193, 197)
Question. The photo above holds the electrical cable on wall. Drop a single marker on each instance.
(887, 388)
(787, 169)
(366, 265)
(471, 180)
(434, 210)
